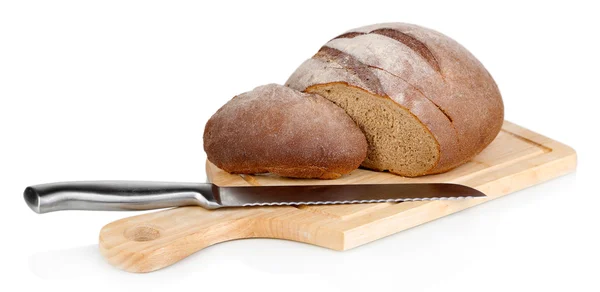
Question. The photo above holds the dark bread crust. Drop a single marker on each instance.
(280, 130)
(413, 63)
(411, 42)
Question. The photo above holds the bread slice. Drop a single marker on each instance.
(424, 103)
(276, 129)
(398, 141)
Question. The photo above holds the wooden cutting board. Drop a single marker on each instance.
(518, 158)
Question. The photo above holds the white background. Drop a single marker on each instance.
(122, 90)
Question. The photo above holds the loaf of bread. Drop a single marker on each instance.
(424, 103)
(276, 129)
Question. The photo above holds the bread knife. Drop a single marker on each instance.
(146, 195)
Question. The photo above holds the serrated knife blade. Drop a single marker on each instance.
(341, 194)
(143, 195)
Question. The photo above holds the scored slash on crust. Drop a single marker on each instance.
(356, 201)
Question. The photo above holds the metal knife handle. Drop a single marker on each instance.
(118, 195)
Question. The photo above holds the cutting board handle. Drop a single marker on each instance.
(152, 241)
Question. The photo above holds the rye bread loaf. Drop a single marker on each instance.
(425, 103)
(280, 130)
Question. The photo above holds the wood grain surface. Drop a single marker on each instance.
(517, 159)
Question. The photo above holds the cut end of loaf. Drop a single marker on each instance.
(398, 141)
(283, 131)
